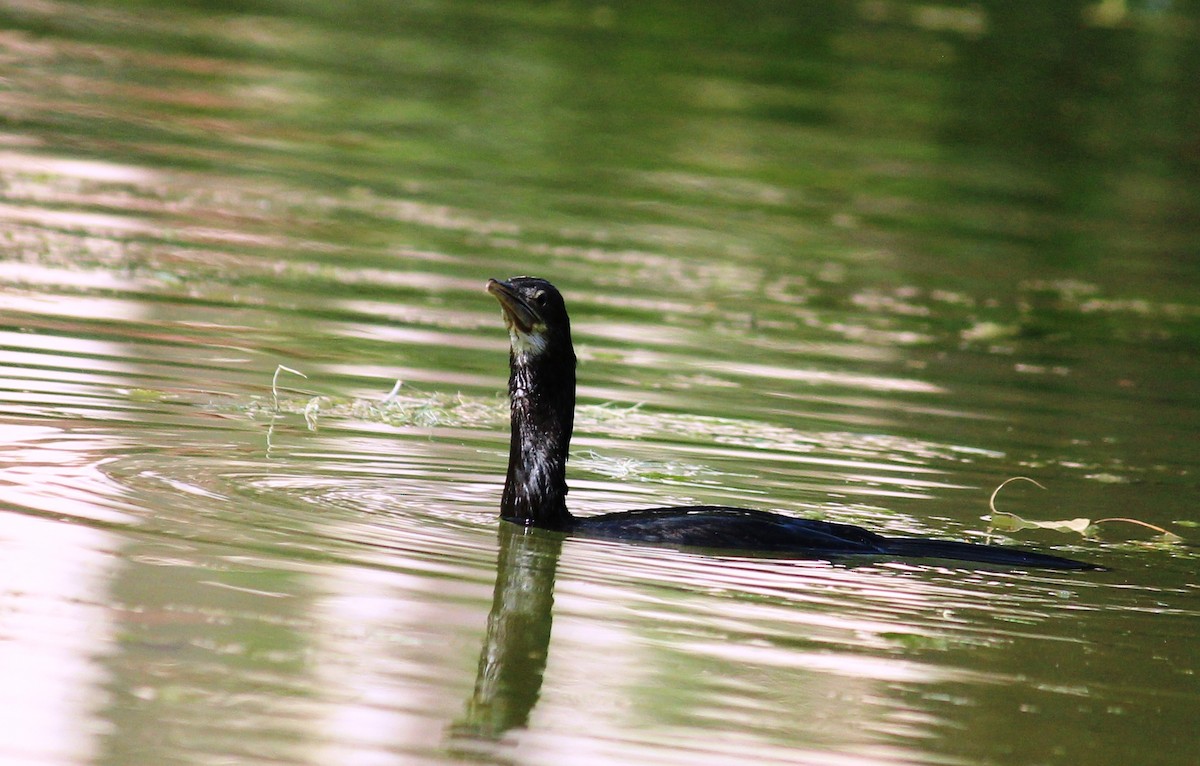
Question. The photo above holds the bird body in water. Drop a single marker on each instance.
(542, 393)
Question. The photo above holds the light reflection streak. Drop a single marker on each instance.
(45, 470)
(824, 377)
(92, 223)
(42, 277)
(844, 664)
(88, 170)
(54, 625)
(414, 336)
(369, 660)
(58, 510)
(45, 352)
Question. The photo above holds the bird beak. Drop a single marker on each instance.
(518, 314)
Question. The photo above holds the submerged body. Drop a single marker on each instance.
(751, 531)
(542, 393)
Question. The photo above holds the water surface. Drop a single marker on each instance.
(859, 261)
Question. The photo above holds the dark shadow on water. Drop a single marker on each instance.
(514, 653)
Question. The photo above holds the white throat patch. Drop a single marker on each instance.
(530, 344)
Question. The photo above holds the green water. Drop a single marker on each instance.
(859, 261)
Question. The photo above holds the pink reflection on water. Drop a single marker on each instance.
(47, 471)
(827, 377)
(53, 579)
(53, 592)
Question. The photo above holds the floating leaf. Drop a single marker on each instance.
(1010, 522)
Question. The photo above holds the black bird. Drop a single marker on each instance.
(541, 387)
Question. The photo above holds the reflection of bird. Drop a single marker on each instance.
(542, 389)
(514, 654)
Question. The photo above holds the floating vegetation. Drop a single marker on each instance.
(1010, 522)
(416, 409)
(400, 407)
(632, 469)
(403, 406)
(985, 332)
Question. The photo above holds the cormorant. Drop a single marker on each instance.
(541, 387)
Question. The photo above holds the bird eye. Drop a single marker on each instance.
(540, 297)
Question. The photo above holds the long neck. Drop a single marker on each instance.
(542, 392)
